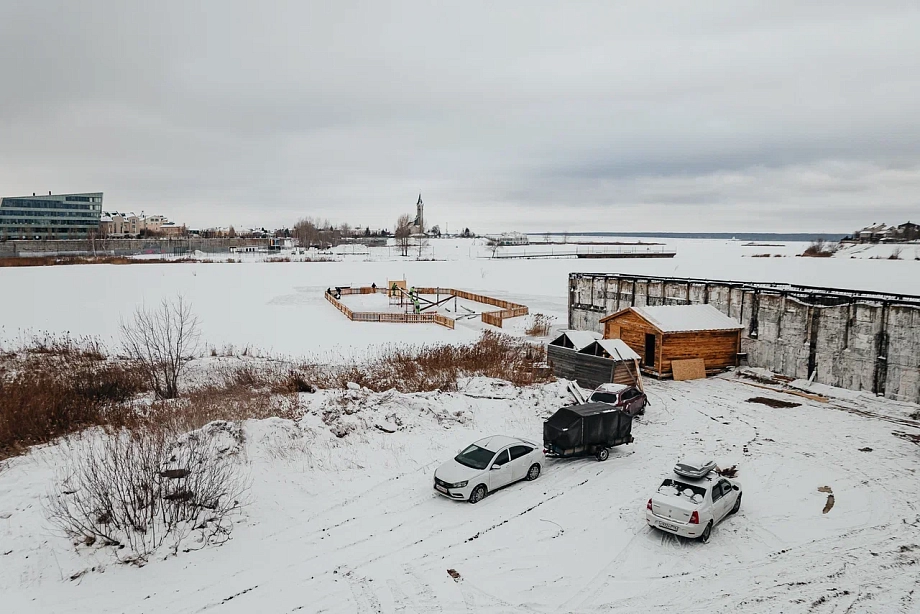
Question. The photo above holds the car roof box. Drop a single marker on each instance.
(694, 469)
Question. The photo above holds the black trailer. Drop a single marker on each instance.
(590, 428)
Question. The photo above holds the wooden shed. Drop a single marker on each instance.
(582, 357)
(664, 334)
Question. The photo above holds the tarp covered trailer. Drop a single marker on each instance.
(590, 428)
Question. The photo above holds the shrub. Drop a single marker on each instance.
(819, 248)
(162, 340)
(539, 325)
(426, 368)
(53, 388)
(145, 489)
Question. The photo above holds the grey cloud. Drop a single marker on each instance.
(505, 115)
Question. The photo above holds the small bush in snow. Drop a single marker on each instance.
(539, 325)
(820, 248)
(143, 490)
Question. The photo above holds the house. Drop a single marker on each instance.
(581, 356)
(171, 229)
(909, 231)
(664, 334)
(875, 233)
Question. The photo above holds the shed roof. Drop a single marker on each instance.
(579, 338)
(682, 318)
(617, 349)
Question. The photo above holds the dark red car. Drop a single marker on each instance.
(629, 399)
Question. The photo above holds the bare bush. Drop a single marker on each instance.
(539, 325)
(143, 490)
(162, 340)
(896, 253)
(426, 368)
(820, 248)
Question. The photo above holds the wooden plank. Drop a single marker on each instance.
(805, 395)
(692, 368)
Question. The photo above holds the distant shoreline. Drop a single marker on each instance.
(740, 236)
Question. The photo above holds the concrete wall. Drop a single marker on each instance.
(121, 247)
(861, 342)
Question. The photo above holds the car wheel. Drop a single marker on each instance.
(478, 494)
(602, 454)
(737, 504)
(706, 533)
(534, 472)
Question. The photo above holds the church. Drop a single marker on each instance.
(418, 225)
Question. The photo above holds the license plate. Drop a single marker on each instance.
(666, 526)
(440, 488)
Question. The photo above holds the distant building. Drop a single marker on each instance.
(509, 238)
(115, 224)
(62, 216)
(909, 231)
(418, 224)
(876, 233)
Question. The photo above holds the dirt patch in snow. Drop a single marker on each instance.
(775, 403)
(829, 505)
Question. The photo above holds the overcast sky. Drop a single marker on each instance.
(621, 116)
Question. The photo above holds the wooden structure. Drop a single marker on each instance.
(579, 356)
(396, 290)
(667, 333)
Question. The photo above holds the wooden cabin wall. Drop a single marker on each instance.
(632, 330)
(718, 349)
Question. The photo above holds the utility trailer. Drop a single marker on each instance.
(589, 428)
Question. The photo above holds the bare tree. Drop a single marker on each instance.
(403, 233)
(306, 232)
(163, 340)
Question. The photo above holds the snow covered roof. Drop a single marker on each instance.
(617, 349)
(579, 338)
(683, 318)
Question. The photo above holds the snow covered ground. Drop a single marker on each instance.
(352, 524)
(881, 251)
(279, 307)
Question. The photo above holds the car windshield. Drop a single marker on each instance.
(604, 397)
(475, 457)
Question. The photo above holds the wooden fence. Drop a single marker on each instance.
(373, 316)
(508, 309)
(495, 318)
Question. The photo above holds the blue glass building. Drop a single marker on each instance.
(61, 216)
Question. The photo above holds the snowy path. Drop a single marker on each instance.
(353, 525)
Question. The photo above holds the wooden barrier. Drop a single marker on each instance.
(495, 318)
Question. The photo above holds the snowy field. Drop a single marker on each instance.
(353, 524)
(279, 307)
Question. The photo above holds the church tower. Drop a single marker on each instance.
(419, 215)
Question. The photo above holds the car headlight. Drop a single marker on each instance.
(459, 484)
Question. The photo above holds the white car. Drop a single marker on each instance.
(486, 466)
(691, 507)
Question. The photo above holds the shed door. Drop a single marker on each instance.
(649, 350)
